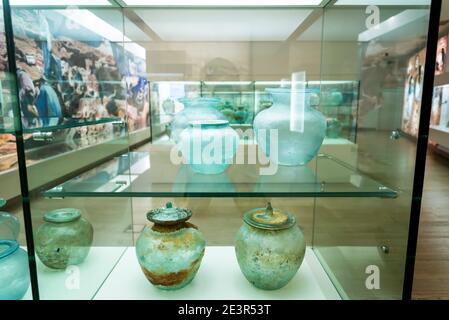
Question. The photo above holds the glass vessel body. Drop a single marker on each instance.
(14, 272)
(269, 256)
(194, 110)
(293, 146)
(209, 146)
(64, 238)
(170, 251)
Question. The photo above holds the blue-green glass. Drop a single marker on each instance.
(294, 147)
(270, 248)
(14, 272)
(333, 128)
(194, 110)
(170, 252)
(209, 146)
(64, 238)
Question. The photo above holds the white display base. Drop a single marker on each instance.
(77, 282)
(440, 136)
(219, 277)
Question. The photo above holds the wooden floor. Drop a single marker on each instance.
(432, 262)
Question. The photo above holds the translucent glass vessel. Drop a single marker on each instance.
(194, 110)
(209, 146)
(64, 239)
(170, 252)
(270, 247)
(14, 270)
(290, 146)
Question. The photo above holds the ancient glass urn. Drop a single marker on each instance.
(299, 132)
(170, 251)
(14, 272)
(64, 239)
(270, 247)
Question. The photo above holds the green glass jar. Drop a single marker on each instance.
(270, 247)
(64, 238)
(170, 251)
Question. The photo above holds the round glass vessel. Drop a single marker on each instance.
(209, 146)
(194, 109)
(270, 247)
(293, 146)
(170, 251)
(14, 270)
(64, 238)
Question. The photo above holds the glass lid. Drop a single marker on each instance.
(269, 218)
(169, 215)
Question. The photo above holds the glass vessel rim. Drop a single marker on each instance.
(209, 123)
(192, 101)
(62, 215)
(11, 247)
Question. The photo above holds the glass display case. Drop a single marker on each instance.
(250, 152)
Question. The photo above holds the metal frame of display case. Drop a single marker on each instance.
(433, 26)
(421, 151)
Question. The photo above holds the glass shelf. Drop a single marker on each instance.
(54, 124)
(145, 174)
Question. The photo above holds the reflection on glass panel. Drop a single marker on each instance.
(82, 92)
(14, 268)
(76, 80)
(353, 238)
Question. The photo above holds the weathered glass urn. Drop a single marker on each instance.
(270, 247)
(14, 274)
(64, 239)
(170, 251)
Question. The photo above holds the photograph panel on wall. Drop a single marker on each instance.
(441, 63)
(69, 72)
(412, 95)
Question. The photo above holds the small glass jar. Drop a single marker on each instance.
(64, 238)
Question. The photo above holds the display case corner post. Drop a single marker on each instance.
(12, 68)
(421, 150)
